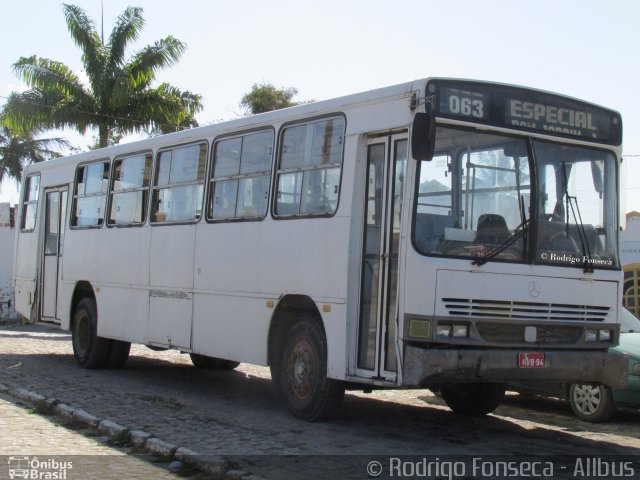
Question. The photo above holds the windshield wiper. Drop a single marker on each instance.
(520, 231)
(572, 204)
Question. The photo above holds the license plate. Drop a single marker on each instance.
(531, 360)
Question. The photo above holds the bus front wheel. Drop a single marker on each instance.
(474, 399)
(302, 378)
(89, 350)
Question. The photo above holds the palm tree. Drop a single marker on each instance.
(16, 151)
(119, 98)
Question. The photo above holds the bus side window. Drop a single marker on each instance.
(240, 177)
(179, 184)
(90, 194)
(30, 203)
(310, 165)
(129, 192)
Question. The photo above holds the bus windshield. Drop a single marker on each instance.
(470, 195)
(475, 201)
(577, 206)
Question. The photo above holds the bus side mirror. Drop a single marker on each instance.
(423, 135)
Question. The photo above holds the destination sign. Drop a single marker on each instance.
(525, 109)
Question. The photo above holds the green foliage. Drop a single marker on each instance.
(433, 186)
(16, 151)
(266, 97)
(43, 407)
(119, 99)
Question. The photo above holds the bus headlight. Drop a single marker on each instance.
(460, 331)
(601, 335)
(591, 335)
(443, 331)
(452, 330)
(604, 335)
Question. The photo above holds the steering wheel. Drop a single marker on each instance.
(560, 238)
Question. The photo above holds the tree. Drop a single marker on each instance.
(118, 99)
(266, 97)
(17, 151)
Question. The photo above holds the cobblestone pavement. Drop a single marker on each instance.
(31, 437)
(234, 414)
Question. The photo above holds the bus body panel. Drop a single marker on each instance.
(123, 312)
(232, 327)
(25, 273)
(241, 265)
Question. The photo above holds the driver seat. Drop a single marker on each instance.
(492, 229)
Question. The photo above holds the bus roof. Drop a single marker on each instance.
(399, 91)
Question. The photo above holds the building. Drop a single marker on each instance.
(630, 258)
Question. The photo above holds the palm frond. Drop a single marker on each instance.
(48, 109)
(127, 28)
(45, 74)
(83, 32)
(16, 151)
(166, 108)
(152, 58)
(25, 111)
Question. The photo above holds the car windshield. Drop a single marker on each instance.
(628, 322)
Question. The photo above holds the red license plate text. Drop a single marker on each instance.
(531, 360)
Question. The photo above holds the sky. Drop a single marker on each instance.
(588, 49)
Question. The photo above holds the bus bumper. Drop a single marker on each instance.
(429, 367)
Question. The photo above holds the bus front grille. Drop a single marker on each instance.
(514, 333)
(510, 310)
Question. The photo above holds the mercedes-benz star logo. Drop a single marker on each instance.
(534, 289)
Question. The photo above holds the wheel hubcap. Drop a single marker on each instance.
(587, 398)
(302, 370)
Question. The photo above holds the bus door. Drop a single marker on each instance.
(55, 217)
(377, 325)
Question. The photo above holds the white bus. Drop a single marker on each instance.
(442, 234)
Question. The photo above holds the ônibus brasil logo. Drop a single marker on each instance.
(33, 468)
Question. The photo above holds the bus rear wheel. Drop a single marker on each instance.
(118, 354)
(475, 399)
(89, 350)
(302, 378)
(211, 363)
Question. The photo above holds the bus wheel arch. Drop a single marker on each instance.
(89, 349)
(298, 360)
(82, 290)
(287, 312)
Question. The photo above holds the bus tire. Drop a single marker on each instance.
(118, 354)
(475, 399)
(212, 363)
(591, 403)
(302, 379)
(89, 350)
